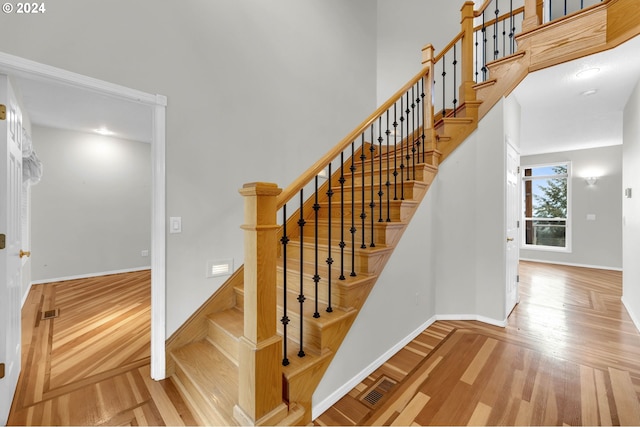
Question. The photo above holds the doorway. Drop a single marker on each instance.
(19, 67)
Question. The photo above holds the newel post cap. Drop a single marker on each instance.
(260, 189)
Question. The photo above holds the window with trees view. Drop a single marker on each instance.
(546, 207)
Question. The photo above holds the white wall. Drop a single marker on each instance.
(401, 305)
(631, 206)
(404, 27)
(257, 91)
(91, 212)
(469, 210)
(593, 243)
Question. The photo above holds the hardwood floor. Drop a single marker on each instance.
(569, 355)
(90, 365)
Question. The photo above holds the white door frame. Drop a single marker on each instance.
(24, 67)
(516, 151)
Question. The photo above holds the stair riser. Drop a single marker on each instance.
(315, 338)
(382, 235)
(420, 175)
(224, 341)
(364, 263)
(411, 192)
(342, 296)
(397, 212)
(195, 397)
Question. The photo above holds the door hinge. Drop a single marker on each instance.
(517, 278)
(1, 370)
(518, 224)
(3, 240)
(3, 112)
(518, 169)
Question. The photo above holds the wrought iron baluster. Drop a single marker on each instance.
(363, 213)
(301, 297)
(484, 48)
(407, 156)
(395, 151)
(372, 203)
(342, 242)
(512, 27)
(421, 119)
(414, 129)
(444, 86)
(477, 55)
(388, 183)
(504, 37)
(495, 33)
(285, 319)
(455, 75)
(329, 256)
(380, 191)
(417, 126)
(353, 210)
(316, 276)
(401, 148)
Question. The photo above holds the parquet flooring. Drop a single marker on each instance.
(90, 365)
(570, 355)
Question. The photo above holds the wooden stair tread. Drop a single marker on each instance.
(214, 377)
(297, 365)
(231, 320)
(309, 271)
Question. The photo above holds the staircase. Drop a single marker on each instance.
(255, 352)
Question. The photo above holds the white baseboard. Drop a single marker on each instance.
(330, 400)
(26, 294)
(571, 264)
(483, 319)
(634, 319)
(88, 275)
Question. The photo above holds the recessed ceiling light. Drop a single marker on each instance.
(589, 72)
(103, 131)
(589, 92)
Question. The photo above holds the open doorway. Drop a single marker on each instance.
(22, 69)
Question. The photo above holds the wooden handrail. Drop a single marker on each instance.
(295, 187)
(448, 47)
(501, 18)
(484, 7)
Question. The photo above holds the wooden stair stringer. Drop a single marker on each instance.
(195, 328)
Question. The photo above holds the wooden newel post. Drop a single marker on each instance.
(532, 15)
(467, 93)
(260, 358)
(432, 155)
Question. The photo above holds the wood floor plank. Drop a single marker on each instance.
(570, 355)
(90, 365)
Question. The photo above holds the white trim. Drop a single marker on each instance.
(158, 243)
(319, 408)
(477, 317)
(48, 73)
(26, 294)
(88, 275)
(24, 67)
(571, 264)
(633, 317)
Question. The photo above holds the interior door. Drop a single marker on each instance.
(512, 223)
(10, 228)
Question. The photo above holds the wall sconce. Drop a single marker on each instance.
(591, 180)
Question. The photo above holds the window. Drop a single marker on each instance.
(546, 207)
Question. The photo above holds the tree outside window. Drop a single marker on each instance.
(546, 206)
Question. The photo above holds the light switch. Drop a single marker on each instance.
(175, 224)
(591, 217)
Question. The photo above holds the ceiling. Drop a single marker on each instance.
(63, 106)
(555, 114)
(558, 116)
